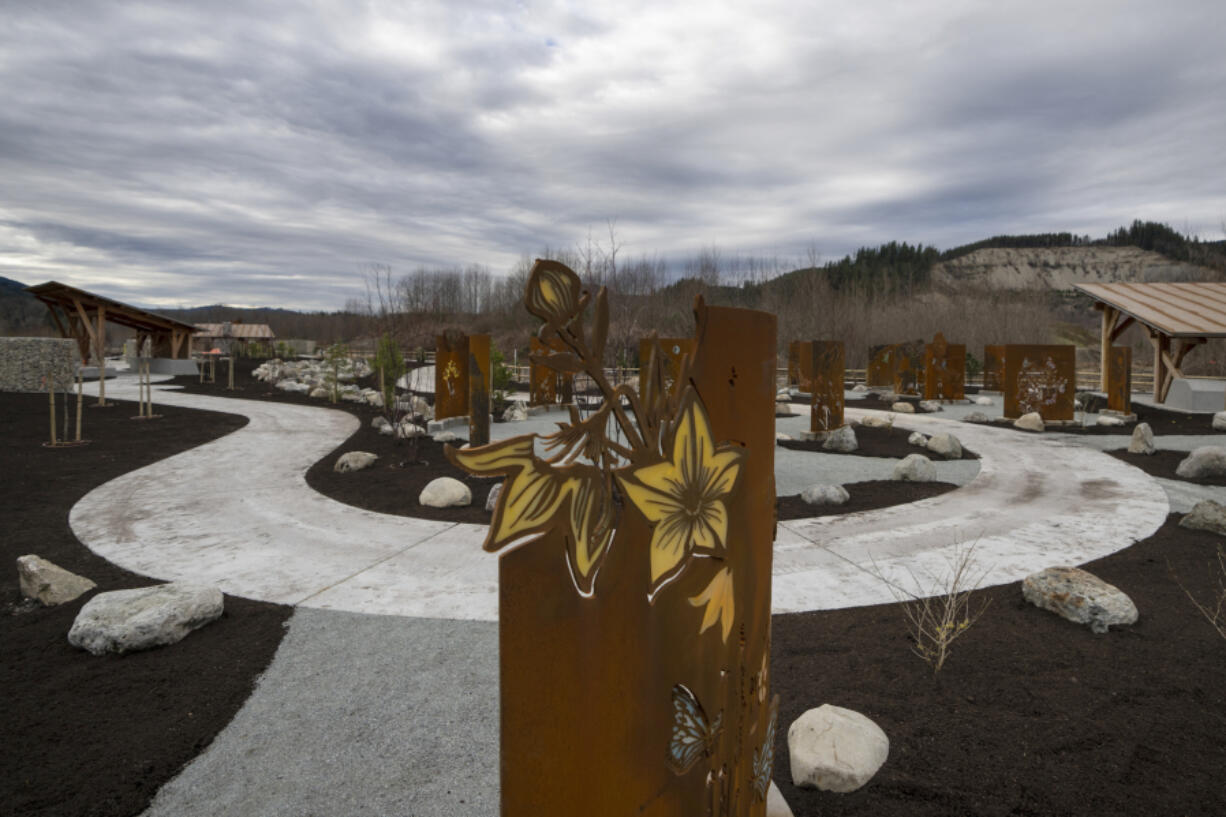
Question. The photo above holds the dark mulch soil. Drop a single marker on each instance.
(1032, 715)
(86, 735)
(874, 441)
(864, 496)
(1163, 464)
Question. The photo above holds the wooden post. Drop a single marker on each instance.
(1161, 349)
(230, 387)
(1108, 323)
(101, 340)
(80, 399)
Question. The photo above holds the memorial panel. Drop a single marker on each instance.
(1042, 379)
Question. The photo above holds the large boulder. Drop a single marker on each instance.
(1206, 515)
(354, 461)
(294, 387)
(835, 749)
(1109, 421)
(1029, 422)
(825, 495)
(903, 407)
(445, 492)
(491, 499)
(48, 583)
(976, 417)
(1080, 597)
(876, 421)
(841, 440)
(917, 438)
(984, 401)
(946, 446)
(930, 406)
(915, 468)
(126, 620)
(516, 412)
(406, 430)
(1142, 441)
(379, 422)
(1219, 421)
(1206, 461)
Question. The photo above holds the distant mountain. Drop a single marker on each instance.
(19, 310)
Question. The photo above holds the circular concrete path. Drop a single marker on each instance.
(237, 512)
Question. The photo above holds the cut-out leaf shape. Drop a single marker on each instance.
(720, 606)
(553, 292)
(683, 497)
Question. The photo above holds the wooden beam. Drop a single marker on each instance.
(101, 340)
(1110, 316)
(1162, 345)
(85, 322)
(1121, 326)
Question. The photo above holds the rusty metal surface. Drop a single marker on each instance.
(545, 386)
(480, 378)
(896, 365)
(822, 368)
(673, 350)
(450, 375)
(944, 370)
(994, 368)
(794, 353)
(634, 641)
(1042, 379)
(1119, 379)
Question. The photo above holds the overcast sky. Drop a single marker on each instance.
(265, 153)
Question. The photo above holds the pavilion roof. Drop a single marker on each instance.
(1178, 310)
(53, 293)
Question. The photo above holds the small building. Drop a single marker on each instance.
(231, 337)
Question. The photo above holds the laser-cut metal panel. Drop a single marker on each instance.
(826, 384)
(994, 368)
(1042, 379)
(944, 370)
(480, 379)
(1119, 379)
(626, 629)
(673, 348)
(881, 362)
(451, 375)
(908, 367)
(794, 353)
(547, 387)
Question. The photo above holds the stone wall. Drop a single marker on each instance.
(24, 362)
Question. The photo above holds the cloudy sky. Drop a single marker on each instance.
(265, 153)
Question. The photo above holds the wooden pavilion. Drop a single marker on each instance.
(1178, 317)
(82, 316)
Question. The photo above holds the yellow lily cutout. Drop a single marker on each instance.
(683, 497)
(534, 496)
(720, 604)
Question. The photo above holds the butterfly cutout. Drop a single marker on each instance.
(764, 758)
(693, 736)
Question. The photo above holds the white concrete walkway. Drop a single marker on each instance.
(237, 513)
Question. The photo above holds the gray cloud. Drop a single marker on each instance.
(265, 153)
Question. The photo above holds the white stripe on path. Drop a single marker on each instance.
(237, 512)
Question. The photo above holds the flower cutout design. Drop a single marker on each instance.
(553, 293)
(719, 601)
(683, 497)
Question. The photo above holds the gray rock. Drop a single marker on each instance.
(984, 401)
(835, 749)
(319, 393)
(1109, 420)
(930, 406)
(1029, 422)
(126, 620)
(516, 412)
(294, 387)
(406, 430)
(491, 500)
(1142, 441)
(445, 492)
(945, 445)
(48, 583)
(354, 461)
(917, 439)
(841, 441)
(877, 421)
(379, 422)
(1080, 597)
(1219, 421)
(859, 388)
(825, 495)
(1206, 515)
(1206, 461)
(976, 417)
(446, 437)
(419, 406)
(781, 437)
(915, 468)
(903, 407)
(776, 806)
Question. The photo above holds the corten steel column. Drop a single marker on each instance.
(1119, 379)
(587, 683)
(993, 368)
(1040, 378)
(450, 376)
(822, 365)
(944, 370)
(479, 382)
(673, 348)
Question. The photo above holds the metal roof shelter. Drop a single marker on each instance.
(82, 316)
(211, 335)
(1178, 317)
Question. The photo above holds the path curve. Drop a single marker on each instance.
(237, 512)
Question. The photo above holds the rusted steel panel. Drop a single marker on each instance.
(880, 370)
(825, 383)
(794, 353)
(993, 368)
(1119, 379)
(896, 365)
(944, 370)
(480, 379)
(545, 386)
(634, 640)
(1042, 379)
(450, 375)
(673, 349)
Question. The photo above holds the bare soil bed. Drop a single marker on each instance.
(1032, 715)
